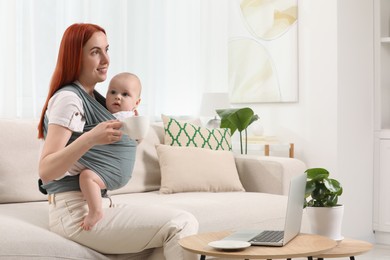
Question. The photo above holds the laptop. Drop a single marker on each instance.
(292, 225)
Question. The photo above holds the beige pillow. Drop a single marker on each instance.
(186, 169)
(183, 133)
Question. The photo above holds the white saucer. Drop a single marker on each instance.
(338, 240)
(229, 244)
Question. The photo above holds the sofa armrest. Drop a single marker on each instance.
(267, 174)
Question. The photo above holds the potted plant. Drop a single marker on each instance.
(323, 209)
(237, 119)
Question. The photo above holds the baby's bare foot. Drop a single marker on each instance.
(91, 219)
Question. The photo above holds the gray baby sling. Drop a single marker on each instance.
(113, 162)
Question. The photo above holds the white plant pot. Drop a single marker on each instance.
(326, 221)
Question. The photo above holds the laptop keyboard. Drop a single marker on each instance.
(268, 236)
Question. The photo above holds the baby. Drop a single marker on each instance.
(122, 100)
(123, 95)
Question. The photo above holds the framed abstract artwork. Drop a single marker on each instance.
(263, 51)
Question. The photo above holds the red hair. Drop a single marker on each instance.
(69, 60)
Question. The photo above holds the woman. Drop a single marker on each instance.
(76, 127)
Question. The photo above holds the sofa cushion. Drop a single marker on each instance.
(180, 133)
(185, 169)
(229, 210)
(19, 157)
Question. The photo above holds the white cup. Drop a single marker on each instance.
(136, 127)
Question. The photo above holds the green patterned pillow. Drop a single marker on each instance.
(180, 133)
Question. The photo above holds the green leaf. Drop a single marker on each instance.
(320, 192)
(310, 187)
(331, 201)
(236, 118)
(226, 122)
(332, 185)
(317, 174)
(253, 119)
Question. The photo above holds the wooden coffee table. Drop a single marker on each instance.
(347, 248)
(304, 245)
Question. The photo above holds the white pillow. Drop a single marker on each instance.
(188, 169)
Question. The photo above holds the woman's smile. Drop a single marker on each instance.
(102, 70)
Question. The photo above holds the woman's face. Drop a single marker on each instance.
(95, 61)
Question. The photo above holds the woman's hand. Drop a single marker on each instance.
(105, 133)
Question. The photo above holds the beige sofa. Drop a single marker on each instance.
(24, 231)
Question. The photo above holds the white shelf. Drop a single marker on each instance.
(381, 216)
(385, 39)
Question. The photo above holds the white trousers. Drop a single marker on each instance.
(123, 229)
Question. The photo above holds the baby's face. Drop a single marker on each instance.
(123, 95)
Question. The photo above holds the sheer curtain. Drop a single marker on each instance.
(177, 48)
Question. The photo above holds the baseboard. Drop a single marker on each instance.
(382, 237)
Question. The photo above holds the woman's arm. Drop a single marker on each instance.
(57, 158)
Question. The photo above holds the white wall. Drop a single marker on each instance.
(332, 124)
